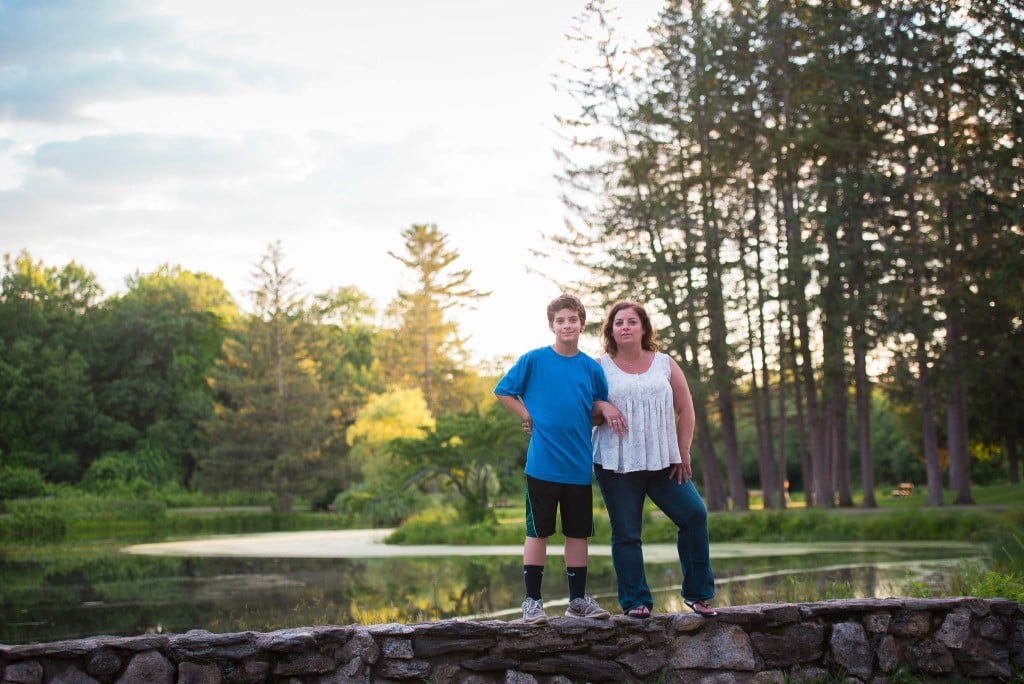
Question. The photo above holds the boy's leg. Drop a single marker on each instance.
(534, 554)
(576, 550)
(577, 508)
(541, 503)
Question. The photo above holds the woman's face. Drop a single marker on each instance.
(627, 327)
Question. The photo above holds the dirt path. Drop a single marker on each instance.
(370, 544)
(318, 544)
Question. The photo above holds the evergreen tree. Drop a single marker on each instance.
(425, 349)
(273, 415)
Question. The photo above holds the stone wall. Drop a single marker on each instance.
(830, 641)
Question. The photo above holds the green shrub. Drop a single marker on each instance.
(119, 471)
(33, 527)
(20, 482)
(1007, 543)
(441, 526)
(999, 585)
(387, 508)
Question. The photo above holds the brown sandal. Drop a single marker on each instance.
(702, 608)
(639, 611)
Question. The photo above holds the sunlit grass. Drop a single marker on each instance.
(885, 498)
(790, 588)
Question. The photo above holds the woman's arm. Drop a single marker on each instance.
(682, 402)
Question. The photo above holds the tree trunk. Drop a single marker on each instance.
(806, 463)
(827, 471)
(931, 442)
(841, 452)
(711, 473)
(783, 478)
(1013, 459)
(956, 402)
(863, 402)
(760, 393)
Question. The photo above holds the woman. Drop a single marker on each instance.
(649, 456)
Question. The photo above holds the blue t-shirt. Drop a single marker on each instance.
(559, 392)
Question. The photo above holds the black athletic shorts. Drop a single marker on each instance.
(575, 502)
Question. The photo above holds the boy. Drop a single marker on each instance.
(553, 390)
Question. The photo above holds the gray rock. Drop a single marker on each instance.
(402, 669)
(304, 663)
(982, 658)
(795, 644)
(286, 641)
(717, 647)
(910, 623)
(361, 646)
(877, 623)
(427, 646)
(490, 663)
(589, 669)
(645, 662)
(955, 628)
(1017, 644)
(545, 642)
(71, 675)
(201, 645)
(513, 677)
(396, 648)
(886, 654)
(103, 663)
(850, 649)
(149, 667)
(808, 674)
(198, 673)
(926, 656)
(247, 672)
(992, 628)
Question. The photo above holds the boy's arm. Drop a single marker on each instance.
(516, 406)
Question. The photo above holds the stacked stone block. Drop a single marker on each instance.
(868, 640)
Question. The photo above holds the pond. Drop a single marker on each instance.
(276, 581)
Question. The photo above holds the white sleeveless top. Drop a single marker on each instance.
(645, 400)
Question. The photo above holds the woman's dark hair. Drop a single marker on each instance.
(647, 342)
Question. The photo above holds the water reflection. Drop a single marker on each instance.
(82, 594)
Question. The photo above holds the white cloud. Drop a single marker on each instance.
(197, 132)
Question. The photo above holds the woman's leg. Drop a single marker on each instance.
(684, 507)
(624, 498)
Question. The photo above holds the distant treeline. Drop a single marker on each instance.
(172, 385)
(819, 203)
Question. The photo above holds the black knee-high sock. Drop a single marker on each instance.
(577, 582)
(533, 575)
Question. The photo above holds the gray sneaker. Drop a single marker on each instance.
(533, 610)
(586, 607)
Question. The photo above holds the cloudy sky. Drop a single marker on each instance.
(198, 132)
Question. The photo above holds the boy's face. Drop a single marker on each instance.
(566, 325)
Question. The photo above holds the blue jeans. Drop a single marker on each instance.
(624, 495)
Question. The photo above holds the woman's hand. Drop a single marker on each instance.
(604, 412)
(681, 472)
